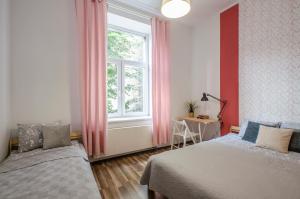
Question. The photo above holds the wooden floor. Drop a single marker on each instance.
(119, 177)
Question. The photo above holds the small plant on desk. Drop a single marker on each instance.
(191, 108)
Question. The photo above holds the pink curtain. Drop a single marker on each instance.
(91, 17)
(160, 82)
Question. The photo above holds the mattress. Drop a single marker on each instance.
(226, 168)
(55, 173)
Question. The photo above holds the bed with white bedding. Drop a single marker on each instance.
(227, 168)
(62, 172)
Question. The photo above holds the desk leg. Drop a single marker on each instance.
(219, 130)
(200, 132)
(204, 130)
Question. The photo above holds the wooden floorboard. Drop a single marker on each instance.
(119, 178)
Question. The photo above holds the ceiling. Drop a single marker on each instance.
(200, 9)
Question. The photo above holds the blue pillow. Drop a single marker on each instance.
(245, 124)
(252, 130)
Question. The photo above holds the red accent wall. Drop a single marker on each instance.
(229, 66)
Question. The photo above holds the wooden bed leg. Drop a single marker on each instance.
(155, 195)
(151, 194)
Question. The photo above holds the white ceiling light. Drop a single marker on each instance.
(175, 8)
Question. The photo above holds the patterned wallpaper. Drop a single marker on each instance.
(269, 60)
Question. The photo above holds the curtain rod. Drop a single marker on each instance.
(128, 9)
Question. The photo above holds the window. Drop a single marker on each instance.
(127, 72)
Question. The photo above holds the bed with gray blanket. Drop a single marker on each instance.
(227, 168)
(62, 172)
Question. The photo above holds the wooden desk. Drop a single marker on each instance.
(205, 122)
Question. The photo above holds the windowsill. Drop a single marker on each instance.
(129, 119)
(128, 122)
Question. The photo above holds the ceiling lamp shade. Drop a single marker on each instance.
(175, 8)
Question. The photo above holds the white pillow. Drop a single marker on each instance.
(243, 128)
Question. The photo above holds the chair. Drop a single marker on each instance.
(181, 130)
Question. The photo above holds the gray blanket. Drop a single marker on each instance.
(227, 168)
(55, 173)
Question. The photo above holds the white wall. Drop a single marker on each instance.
(269, 70)
(45, 71)
(4, 78)
(181, 39)
(206, 64)
(44, 61)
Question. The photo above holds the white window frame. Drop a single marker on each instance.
(121, 63)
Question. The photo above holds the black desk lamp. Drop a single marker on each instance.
(223, 102)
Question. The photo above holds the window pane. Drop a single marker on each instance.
(112, 88)
(123, 45)
(133, 89)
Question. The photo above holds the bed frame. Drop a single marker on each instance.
(13, 142)
(76, 135)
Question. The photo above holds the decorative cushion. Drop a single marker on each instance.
(30, 137)
(274, 138)
(243, 128)
(253, 128)
(56, 136)
(245, 124)
(295, 140)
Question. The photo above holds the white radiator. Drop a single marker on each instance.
(128, 139)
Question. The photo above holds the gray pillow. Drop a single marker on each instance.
(295, 140)
(30, 137)
(56, 136)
